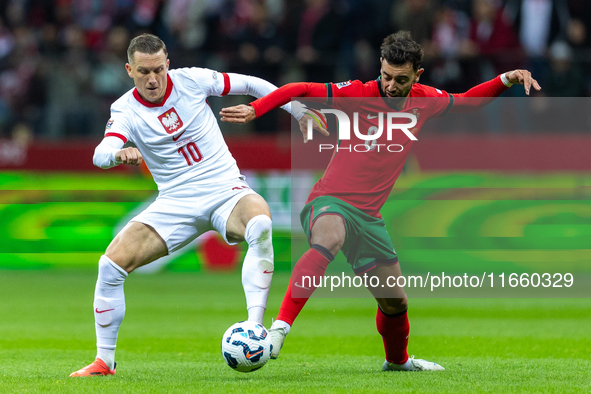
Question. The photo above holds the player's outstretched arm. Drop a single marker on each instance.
(246, 113)
(275, 99)
(257, 87)
(483, 94)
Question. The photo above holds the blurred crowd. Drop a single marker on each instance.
(62, 61)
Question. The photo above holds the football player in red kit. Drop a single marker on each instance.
(342, 212)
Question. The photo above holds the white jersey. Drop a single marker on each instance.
(179, 139)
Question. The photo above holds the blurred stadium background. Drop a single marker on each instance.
(62, 65)
(61, 61)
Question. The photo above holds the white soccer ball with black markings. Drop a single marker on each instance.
(246, 346)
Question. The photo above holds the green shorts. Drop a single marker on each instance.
(367, 243)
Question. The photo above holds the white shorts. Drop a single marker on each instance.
(182, 214)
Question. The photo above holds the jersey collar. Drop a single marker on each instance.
(139, 98)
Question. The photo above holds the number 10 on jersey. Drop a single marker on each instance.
(191, 153)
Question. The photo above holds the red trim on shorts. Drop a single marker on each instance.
(120, 136)
(226, 84)
(358, 273)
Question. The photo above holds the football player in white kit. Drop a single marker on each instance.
(200, 187)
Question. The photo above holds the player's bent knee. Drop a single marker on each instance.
(124, 263)
(392, 306)
(124, 259)
(403, 304)
(332, 242)
(136, 245)
(116, 257)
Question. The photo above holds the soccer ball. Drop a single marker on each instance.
(246, 346)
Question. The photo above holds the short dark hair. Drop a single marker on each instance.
(146, 43)
(399, 48)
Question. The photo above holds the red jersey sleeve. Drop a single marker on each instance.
(284, 94)
(479, 96)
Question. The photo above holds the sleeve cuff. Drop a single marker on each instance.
(298, 110)
(505, 80)
(254, 106)
(114, 156)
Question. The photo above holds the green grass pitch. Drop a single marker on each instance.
(170, 340)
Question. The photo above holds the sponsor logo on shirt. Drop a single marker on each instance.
(171, 121)
(342, 84)
(184, 141)
(178, 136)
(214, 75)
(110, 123)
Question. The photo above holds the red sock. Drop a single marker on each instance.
(313, 265)
(394, 331)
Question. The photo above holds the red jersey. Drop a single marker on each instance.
(365, 179)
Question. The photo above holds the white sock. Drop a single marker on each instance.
(109, 308)
(107, 355)
(281, 324)
(256, 314)
(257, 269)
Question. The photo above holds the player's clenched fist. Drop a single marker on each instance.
(130, 156)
